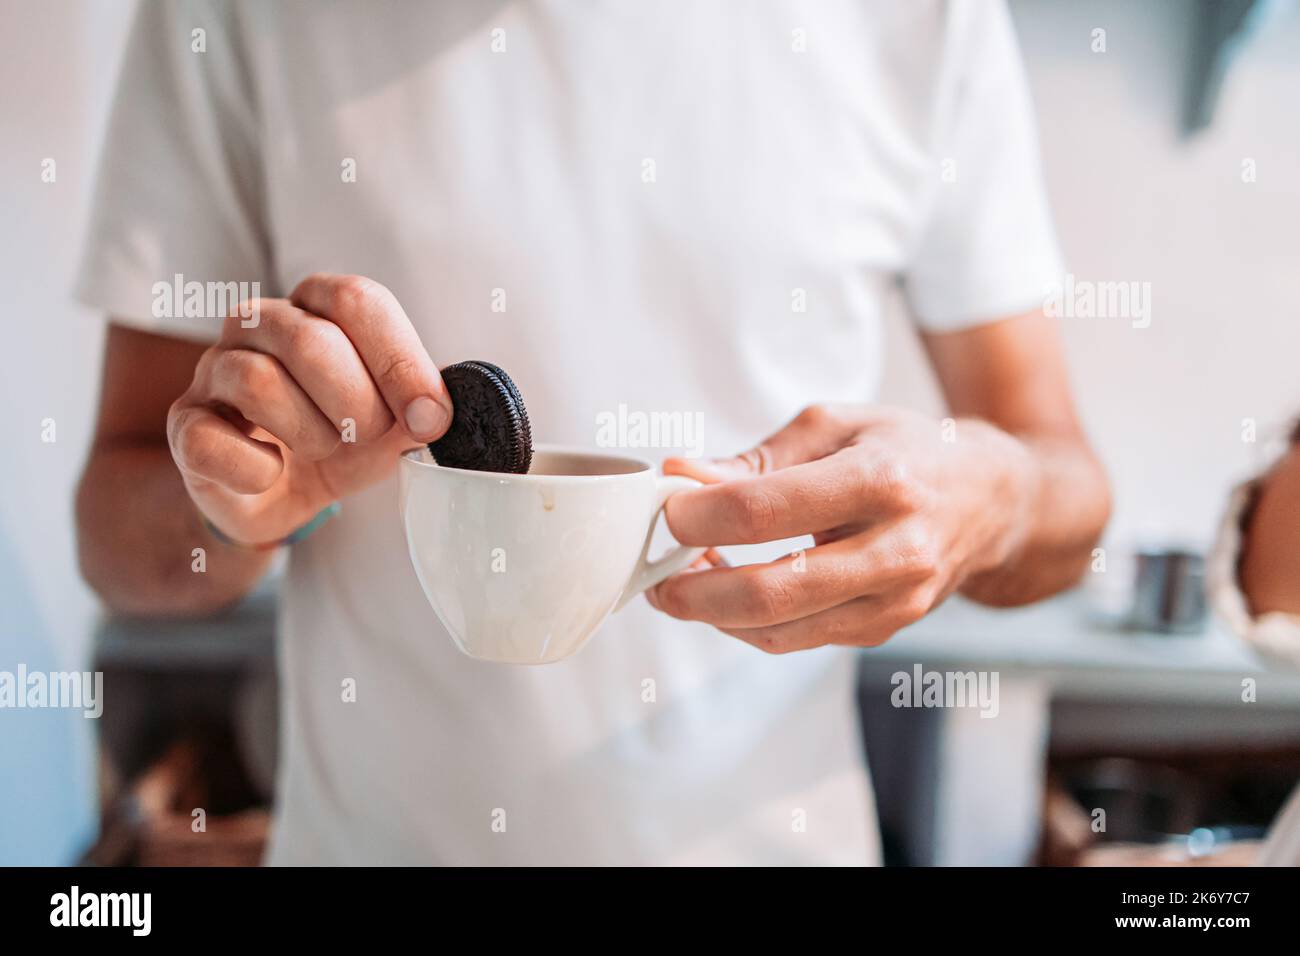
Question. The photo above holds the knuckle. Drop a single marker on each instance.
(818, 417)
(861, 486)
(769, 599)
(319, 345)
(358, 295)
(671, 600)
(373, 425)
(177, 420)
(250, 374)
(362, 409)
(313, 437)
(312, 280)
(915, 605)
(203, 370)
(236, 322)
(755, 514)
(919, 554)
(841, 629)
(191, 448)
(317, 443)
(877, 634)
(394, 370)
(892, 481)
(248, 313)
(311, 339)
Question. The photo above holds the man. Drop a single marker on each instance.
(696, 208)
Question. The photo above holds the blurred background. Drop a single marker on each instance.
(1145, 143)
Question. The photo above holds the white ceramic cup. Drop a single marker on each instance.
(522, 569)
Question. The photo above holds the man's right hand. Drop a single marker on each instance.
(313, 403)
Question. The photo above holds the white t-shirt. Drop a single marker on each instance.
(693, 207)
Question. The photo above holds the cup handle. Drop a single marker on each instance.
(650, 573)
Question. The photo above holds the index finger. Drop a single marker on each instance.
(388, 344)
(813, 497)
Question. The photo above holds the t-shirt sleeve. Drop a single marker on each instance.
(986, 248)
(179, 197)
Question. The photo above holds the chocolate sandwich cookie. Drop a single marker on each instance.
(489, 424)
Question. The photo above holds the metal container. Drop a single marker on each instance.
(1169, 592)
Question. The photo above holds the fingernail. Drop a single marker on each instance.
(426, 419)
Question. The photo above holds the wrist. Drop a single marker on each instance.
(1009, 495)
(299, 533)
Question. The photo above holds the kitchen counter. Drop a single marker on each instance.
(1063, 644)
(961, 789)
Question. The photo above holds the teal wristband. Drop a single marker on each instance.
(329, 511)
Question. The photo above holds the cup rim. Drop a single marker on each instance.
(411, 458)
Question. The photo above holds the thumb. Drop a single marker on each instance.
(817, 431)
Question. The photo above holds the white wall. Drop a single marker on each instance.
(57, 62)
(1133, 201)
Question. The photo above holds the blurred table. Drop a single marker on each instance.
(965, 790)
(193, 722)
(242, 634)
